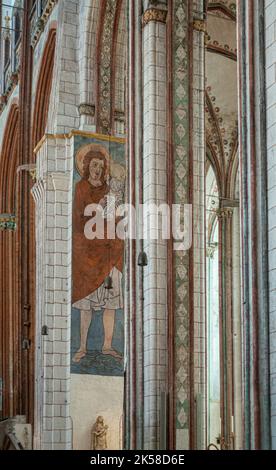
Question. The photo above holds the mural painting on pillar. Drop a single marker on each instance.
(97, 329)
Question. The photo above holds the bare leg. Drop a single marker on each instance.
(86, 317)
(108, 323)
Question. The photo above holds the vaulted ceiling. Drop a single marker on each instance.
(221, 90)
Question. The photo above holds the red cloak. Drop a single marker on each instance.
(92, 259)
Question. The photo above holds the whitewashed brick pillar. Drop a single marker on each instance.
(64, 114)
(155, 192)
(88, 20)
(53, 197)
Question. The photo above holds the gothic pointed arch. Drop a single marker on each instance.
(10, 332)
(232, 173)
(44, 86)
(9, 160)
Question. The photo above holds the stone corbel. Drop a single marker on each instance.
(86, 109)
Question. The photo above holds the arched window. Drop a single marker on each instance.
(213, 320)
(44, 89)
(7, 47)
(17, 28)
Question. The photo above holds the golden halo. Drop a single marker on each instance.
(87, 148)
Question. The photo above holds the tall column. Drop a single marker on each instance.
(179, 187)
(226, 327)
(154, 192)
(237, 330)
(136, 247)
(25, 214)
(53, 196)
(197, 253)
(270, 44)
(253, 158)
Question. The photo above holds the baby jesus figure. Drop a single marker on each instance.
(116, 195)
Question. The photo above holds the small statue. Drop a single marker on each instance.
(99, 435)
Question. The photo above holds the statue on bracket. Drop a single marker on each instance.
(99, 435)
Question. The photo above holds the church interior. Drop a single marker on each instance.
(141, 342)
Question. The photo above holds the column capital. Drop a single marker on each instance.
(158, 15)
(200, 25)
(210, 250)
(225, 213)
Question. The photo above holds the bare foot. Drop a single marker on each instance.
(112, 352)
(79, 356)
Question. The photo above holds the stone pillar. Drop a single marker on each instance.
(237, 329)
(226, 327)
(53, 196)
(65, 95)
(270, 44)
(180, 188)
(154, 192)
(255, 220)
(88, 19)
(198, 157)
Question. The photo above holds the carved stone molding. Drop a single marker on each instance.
(12, 83)
(38, 191)
(7, 222)
(86, 109)
(154, 14)
(39, 26)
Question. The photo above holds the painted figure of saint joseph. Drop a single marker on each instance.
(94, 260)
